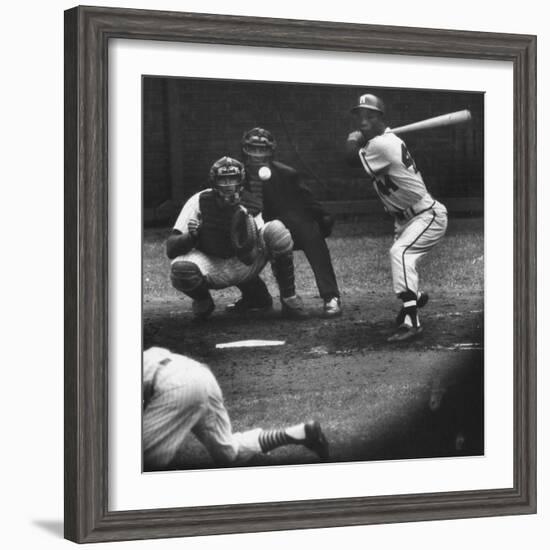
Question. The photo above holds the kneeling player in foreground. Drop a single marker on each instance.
(207, 250)
(420, 220)
(181, 395)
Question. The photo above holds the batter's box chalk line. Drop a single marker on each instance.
(460, 347)
(251, 344)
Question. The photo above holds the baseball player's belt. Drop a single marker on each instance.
(425, 203)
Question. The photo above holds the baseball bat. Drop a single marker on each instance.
(449, 119)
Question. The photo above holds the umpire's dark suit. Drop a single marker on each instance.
(287, 199)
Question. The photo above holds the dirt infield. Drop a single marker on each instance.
(375, 400)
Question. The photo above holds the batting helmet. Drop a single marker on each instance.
(369, 101)
(226, 177)
(258, 143)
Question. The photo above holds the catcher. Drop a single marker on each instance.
(216, 244)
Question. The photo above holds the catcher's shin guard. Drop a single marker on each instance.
(283, 270)
(277, 238)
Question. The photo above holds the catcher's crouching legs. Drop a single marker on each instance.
(278, 242)
(187, 278)
(255, 297)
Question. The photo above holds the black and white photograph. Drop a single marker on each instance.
(230, 324)
(312, 273)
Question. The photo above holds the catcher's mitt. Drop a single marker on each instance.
(245, 237)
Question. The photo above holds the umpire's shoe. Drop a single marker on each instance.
(202, 309)
(421, 301)
(315, 439)
(293, 308)
(332, 308)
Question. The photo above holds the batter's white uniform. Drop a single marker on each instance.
(219, 272)
(181, 395)
(420, 221)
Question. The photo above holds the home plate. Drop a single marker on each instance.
(251, 344)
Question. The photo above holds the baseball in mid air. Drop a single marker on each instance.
(264, 173)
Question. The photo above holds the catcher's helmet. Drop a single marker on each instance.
(369, 101)
(226, 177)
(258, 143)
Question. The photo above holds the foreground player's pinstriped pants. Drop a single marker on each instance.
(182, 395)
(413, 240)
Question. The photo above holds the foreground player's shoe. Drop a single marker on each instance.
(421, 301)
(332, 308)
(405, 332)
(308, 434)
(315, 439)
(293, 308)
(203, 308)
(242, 306)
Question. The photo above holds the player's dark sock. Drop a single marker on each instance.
(410, 308)
(283, 270)
(272, 439)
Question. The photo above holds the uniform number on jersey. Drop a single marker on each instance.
(385, 185)
(407, 159)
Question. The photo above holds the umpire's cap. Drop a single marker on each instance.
(370, 101)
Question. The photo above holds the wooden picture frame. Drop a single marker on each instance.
(87, 34)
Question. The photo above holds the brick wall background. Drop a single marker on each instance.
(189, 123)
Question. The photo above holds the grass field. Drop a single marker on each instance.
(359, 252)
(375, 400)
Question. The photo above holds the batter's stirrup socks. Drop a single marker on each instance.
(410, 308)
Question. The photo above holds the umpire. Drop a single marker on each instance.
(277, 192)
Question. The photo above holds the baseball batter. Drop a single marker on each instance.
(181, 396)
(202, 249)
(420, 220)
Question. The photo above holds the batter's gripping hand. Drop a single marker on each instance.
(358, 137)
(245, 237)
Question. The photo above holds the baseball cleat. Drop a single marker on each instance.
(242, 306)
(421, 301)
(293, 308)
(332, 308)
(405, 332)
(315, 439)
(203, 308)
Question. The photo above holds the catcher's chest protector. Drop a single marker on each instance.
(215, 233)
(253, 198)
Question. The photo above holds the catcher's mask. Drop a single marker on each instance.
(257, 146)
(227, 178)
